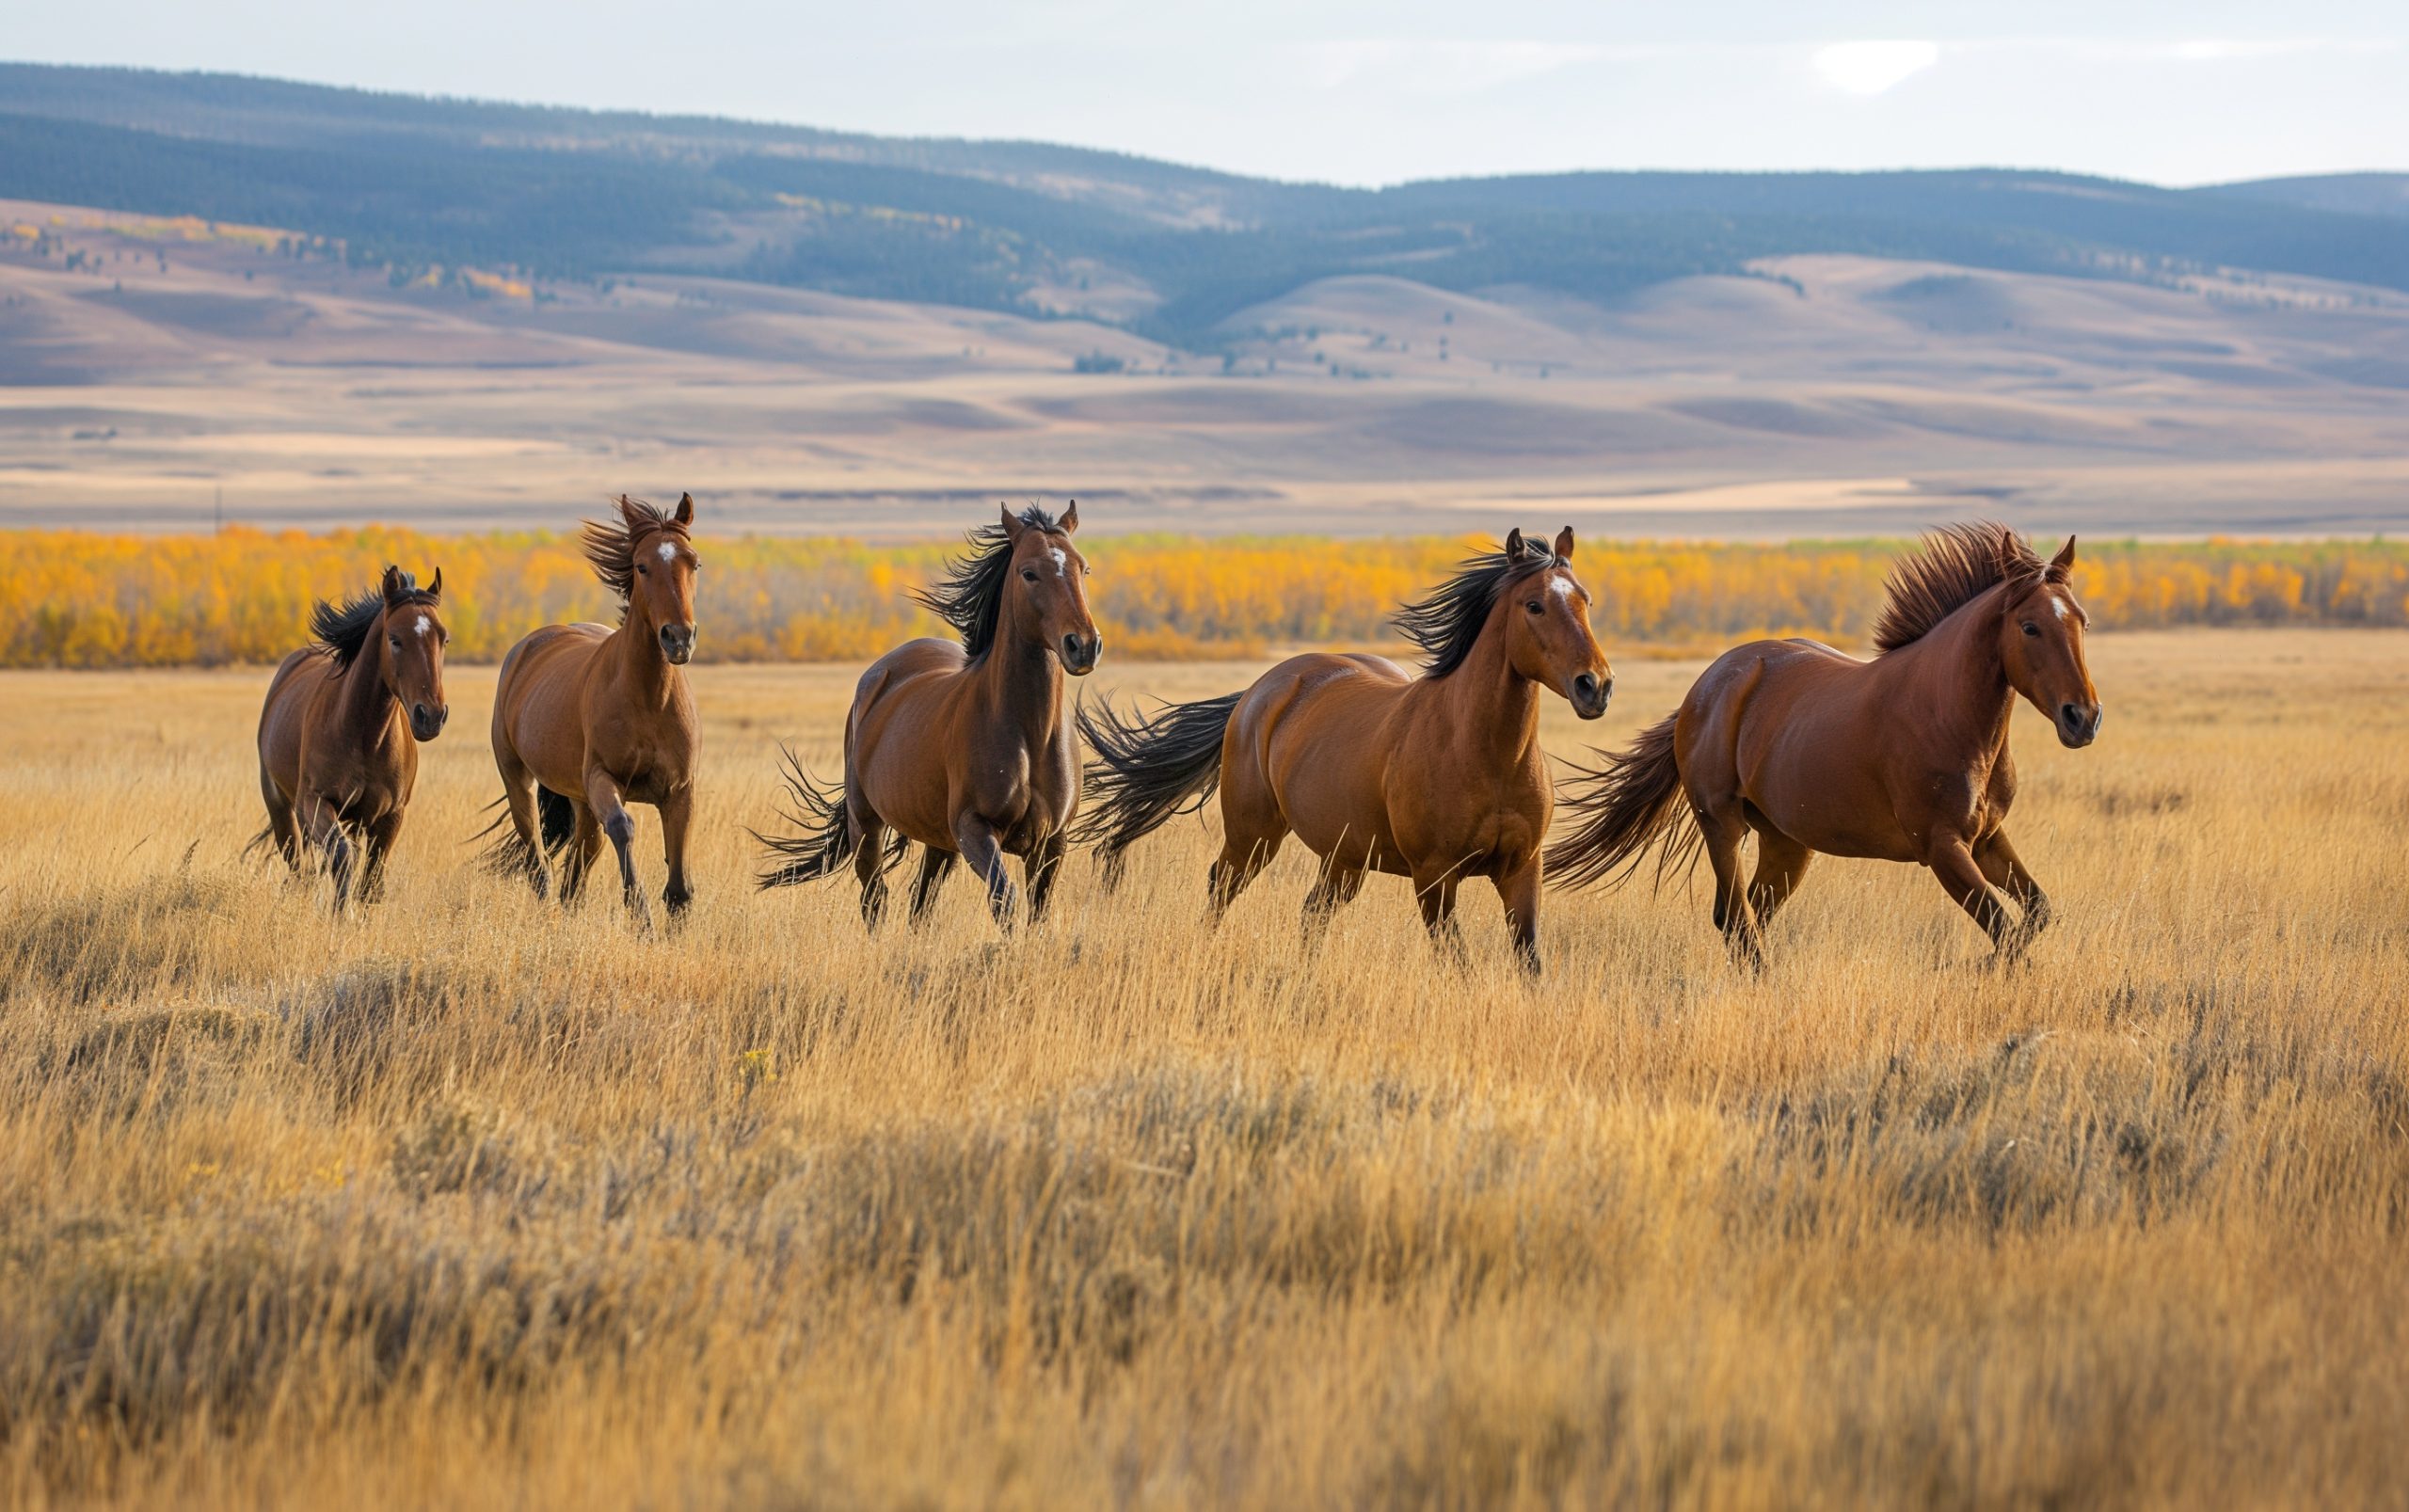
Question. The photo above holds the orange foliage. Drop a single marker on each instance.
(72, 599)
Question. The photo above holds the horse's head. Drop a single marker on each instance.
(1547, 626)
(1049, 581)
(412, 626)
(661, 587)
(2041, 630)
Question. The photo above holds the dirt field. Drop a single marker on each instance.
(471, 1203)
(164, 377)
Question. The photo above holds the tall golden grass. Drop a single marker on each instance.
(467, 1202)
(72, 599)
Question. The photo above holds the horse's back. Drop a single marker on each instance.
(1792, 728)
(537, 702)
(284, 714)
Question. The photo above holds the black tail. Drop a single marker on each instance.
(1150, 770)
(1626, 807)
(827, 838)
(555, 824)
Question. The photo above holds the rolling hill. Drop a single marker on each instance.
(412, 186)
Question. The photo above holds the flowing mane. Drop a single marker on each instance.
(611, 545)
(1445, 625)
(341, 630)
(1953, 566)
(970, 596)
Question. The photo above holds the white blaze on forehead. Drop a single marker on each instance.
(1061, 563)
(668, 551)
(1560, 585)
(422, 627)
(2059, 604)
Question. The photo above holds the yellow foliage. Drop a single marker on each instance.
(74, 600)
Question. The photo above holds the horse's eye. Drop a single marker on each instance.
(645, 570)
(1533, 606)
(395, 640)
(2031, 629)
(1029, 574)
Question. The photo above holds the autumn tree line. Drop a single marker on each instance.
(77, 600)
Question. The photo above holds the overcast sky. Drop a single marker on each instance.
(1374, 91)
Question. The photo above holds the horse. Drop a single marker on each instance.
(338, 733)
(1438, 777)
(962, 747)
(589, 719)
(1904, 758)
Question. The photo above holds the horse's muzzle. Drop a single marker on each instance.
(1079, 654)
(426, 723)
(678, 644)
(2079, 724)
(1591, 694)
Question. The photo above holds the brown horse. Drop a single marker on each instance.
(962, 748)
(1901, 759)
(1437, 778)
(587, 719)
(339, 734)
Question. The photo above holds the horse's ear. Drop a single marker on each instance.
(685, 509)
(1071, 518)
(1013, 527)
(1514, 544)
(396, 583)
(435, 589)
(2062, 563)
(1564, 543)
(632, 515)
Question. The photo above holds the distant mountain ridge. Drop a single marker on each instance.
(422, 184)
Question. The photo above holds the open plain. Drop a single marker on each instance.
(466, 1201)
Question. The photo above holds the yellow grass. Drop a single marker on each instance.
(470, 1203)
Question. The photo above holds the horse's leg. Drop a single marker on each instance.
(1723, 833)
(518, 793)
(869, 863)
(677, 810)
(2005, 869)
(382, 833)
(1954, 867)
(323, 824)
(1251, 830)
(976, 839)
(1045, 870)
(935, 867)
(1782, 862)
(585, 844)
(281, 826)
(1338, 887)
(620, 826)
(1435, 889)
(1519, 892)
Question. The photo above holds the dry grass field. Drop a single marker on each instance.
(466, 1202)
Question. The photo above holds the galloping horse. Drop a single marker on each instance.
(339, 734)
(962, 748)
(1437, 778)
(587, 719)
(1901, 759)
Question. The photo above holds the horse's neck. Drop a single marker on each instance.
(636, 644)
(366, 706)
(1958, 668)
(1489, 707)
(1022, 684)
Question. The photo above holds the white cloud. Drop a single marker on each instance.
(1873, 67)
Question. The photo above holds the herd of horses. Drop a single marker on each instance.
(967, 747)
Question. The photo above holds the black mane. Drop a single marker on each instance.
(1445, 625)
(341, 630)
(970, 596)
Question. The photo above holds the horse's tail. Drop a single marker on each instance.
(1148, 770)
(555, 825)
(825, 838)
(1625, 808)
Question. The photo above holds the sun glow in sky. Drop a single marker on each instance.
(1363, 91)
